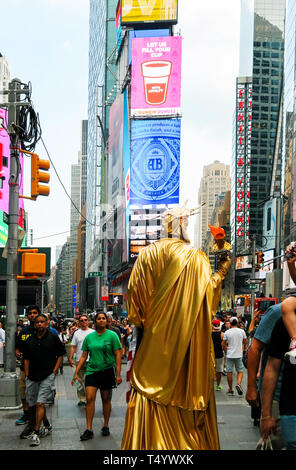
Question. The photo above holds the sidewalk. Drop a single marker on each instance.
(236, 428)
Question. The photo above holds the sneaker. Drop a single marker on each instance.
(230, 392)
(218, 387)
(27, 432)
(87, 435)
(81, 403)
(290, 357)
(45, 431)
(239, 390)
(34, 440)
(105, 431)
(22, 420)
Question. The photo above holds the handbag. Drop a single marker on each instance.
(264, 444)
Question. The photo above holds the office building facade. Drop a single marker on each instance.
(102, 42)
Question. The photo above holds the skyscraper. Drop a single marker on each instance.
(4, 76)
(102, 42)
(215, 180)
(261, 70)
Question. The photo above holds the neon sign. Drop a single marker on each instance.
(243, 162)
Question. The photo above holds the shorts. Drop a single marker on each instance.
(288, 426)
(104, 379)
(40, 392)
(234, 362)
(219, 364)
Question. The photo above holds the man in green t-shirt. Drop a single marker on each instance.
(104, 350)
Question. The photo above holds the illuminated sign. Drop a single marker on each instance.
(243, 163)
(156, 76)
(155, 161)
(149, 11)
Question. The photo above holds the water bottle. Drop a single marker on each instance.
(78, 385)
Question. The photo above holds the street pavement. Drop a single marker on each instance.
(236, 429)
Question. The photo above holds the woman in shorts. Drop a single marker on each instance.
(103, 371)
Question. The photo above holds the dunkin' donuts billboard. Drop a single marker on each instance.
(156, 76)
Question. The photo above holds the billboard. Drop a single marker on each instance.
(156, 76)
(149, 11)
(242, 164)
(144, 33)
(269, 224)
(126, 172)
(145, 228)
(118, 27)
(116, 182)
(5, 169)
(155, 161)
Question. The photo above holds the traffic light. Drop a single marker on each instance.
(38, 176)
(260, 260)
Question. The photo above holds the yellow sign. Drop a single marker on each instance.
(140, 11)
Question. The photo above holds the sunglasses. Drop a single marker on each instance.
(84, 320)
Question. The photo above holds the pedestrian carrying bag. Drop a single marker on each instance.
(264, 444)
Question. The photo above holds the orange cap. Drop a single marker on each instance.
(217, 232)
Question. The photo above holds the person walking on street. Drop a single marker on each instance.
(43, 353)
(76, 345)
(28, 415)
(2, 344)
(279, 342)
(234, 342)
(104, 349)
(217, 337)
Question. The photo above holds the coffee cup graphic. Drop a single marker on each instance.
(156, 75)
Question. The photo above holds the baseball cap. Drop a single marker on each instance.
(216, 324)
(233, 320)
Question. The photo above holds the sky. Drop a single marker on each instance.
(46, 43)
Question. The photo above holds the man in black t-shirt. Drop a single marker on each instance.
(26, 331)
(43, 353)
(278, 346)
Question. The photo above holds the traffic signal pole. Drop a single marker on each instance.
(9, 383)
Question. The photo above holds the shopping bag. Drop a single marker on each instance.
(264, 444)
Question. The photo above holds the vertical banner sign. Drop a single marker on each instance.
(243, 164)
(5, 171)
(149, 11)
(155, 161)
(115, 180)
(156, 76)
(118, 27)
(126, 171)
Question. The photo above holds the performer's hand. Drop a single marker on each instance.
(118, 379)
(252, 396)
(268, 427)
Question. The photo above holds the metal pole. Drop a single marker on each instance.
(253, 273)
(9, 395)
(42, 295)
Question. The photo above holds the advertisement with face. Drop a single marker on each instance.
(155, 161)
(149, 11)
(156, 76)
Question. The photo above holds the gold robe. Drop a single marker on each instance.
(173, 296)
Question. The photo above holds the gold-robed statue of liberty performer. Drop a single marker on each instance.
(173, 297)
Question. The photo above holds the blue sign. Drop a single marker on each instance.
(148, 33)
(155, 161)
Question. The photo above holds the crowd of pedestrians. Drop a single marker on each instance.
(95, 348)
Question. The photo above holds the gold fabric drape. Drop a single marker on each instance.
(173, 296)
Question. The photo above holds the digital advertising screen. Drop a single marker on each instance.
(149, 11)
(156, 76)
(155, 161)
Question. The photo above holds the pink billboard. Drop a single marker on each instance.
(5, 169)
(156, 76)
